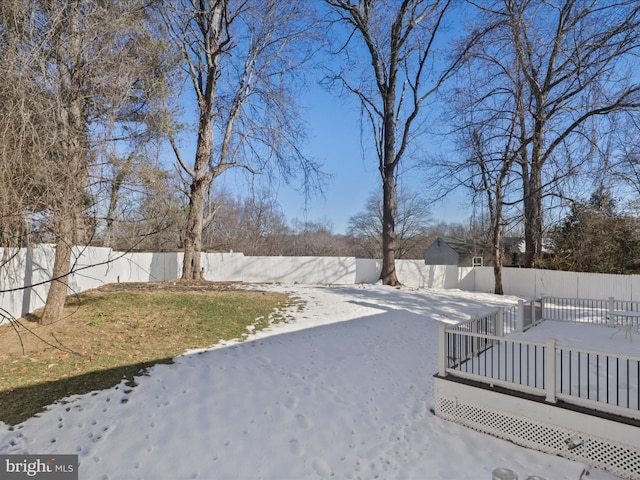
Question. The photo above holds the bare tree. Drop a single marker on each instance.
(24, 114)
(150, 212)
(489, 122)
(399, 39)
(315, 238)
(253, 225)
(491, 172)
(242, 59)
(621, 156)
(93, 62)
(412, 221)
(539, 94)
(125, 177)
(576, 58)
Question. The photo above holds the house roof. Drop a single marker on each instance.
(459, 245)
(517, 243)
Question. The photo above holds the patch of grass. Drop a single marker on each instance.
(117, 332)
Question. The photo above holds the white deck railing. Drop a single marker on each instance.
(584, 310)
(478, 350)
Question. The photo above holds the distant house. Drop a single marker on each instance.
(466, 253)
(455, 251)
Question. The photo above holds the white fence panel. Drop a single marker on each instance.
(411, 273)
(529, 283)
(29, 266)
(306, 270)
(483, 280)
(38, 266)
(533, 283)
(224, 267)
(164, 266)
(467, 278)
(600, 285)
(98, 266)
(92, 268)
(35, 269)
(12, 303)
(555, 283)
(146, 267)
(414, 273)
(136, 267)
(520, 282)
(635, 288)
(368, 270)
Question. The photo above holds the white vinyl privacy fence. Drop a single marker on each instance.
(536, 283)
(24, 274)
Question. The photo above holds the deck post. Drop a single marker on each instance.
(499, 322)
(550, 371)
(442, 350)
(520, 317)
(611, 304)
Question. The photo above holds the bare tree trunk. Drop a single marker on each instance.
(201, 178)
(389, 240)
(387, 170)
(497, 277)
(497, 250)
(212, 23)
(533, 218)
(59, 287)
(191, 269)
(73, 149)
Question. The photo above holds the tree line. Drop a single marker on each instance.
(256, 226)
(537, 101)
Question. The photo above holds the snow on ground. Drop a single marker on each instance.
(599, 338)
(343, 392)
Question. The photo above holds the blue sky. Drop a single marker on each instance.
(335, 141)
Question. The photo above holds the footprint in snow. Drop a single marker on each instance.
(295, 448)
(322, 468)
(303, 422)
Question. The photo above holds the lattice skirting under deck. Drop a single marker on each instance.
(619, 459)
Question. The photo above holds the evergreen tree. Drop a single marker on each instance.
(595, 237)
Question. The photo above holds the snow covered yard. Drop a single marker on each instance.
(344, 392)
